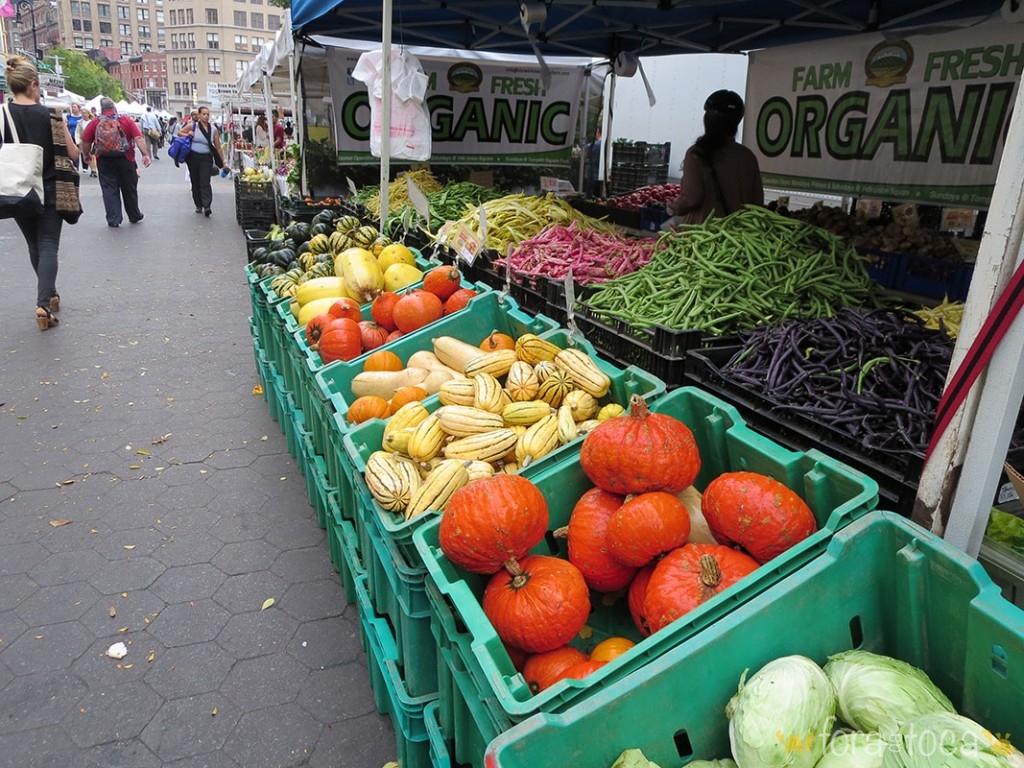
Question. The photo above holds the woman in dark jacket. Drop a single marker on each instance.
(42, 232)
(719, 175)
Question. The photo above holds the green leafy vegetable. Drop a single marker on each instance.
(880, 693)
(633, 758)
(1006, 529)
(854, 750)
(947, 740)
(781, 717)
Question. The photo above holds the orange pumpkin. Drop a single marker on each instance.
(404, 395)
(458, 300)
(346, 308)
(497, 341)
(538, 603)
(417, 309)
(636, 596)
(383, 308)
(611, 648)
(383, 360)
(647, 526)
(367, 407)
(316, 326)
(588, 545)
(640, 452)
(542, 670)
(442, 281)
(689, 576)
(583, 668)
(340, 340)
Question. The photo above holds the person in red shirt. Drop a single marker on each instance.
(119, 173)
(279, 138)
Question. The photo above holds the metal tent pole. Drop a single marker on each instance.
(385, 139)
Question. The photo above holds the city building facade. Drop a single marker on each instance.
(170, 53)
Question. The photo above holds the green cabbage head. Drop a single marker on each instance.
(724, 763)
(854, 750)
(947, 740)
(782, 716)
(880, 693)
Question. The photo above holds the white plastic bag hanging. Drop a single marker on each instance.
(410, 119)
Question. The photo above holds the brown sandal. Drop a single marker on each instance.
(55, 303)
(45, 318)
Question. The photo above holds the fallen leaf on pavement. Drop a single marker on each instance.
(112, 611)
(267, 603)
(59, 523)
(258, 389)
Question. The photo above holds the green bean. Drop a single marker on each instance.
(737, 272)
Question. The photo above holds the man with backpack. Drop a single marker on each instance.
(112, 139)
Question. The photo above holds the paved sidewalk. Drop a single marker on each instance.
(147, 497)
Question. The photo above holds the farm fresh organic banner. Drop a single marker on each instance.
(481, 111)
(919, 118)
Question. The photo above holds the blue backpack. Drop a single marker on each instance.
(179, 148)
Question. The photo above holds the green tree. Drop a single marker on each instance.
(84, 76)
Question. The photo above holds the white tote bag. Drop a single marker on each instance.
(21, 173)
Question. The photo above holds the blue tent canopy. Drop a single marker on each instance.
(604, 28)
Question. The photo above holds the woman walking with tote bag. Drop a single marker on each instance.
(33, 125)
(204, 156)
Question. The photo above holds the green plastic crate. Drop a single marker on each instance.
(315, 470)
(882, 584)
(334, 534)
(351, 564)
(306, 363)
(365, 438)
(836, 494)
(407, 712)
(439, 754)
(485, 313)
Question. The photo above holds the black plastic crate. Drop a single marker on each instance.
(255, 238)
(896, 472)
(934, 278)
(609, 213)
(253, 191)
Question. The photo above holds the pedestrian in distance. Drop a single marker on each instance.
(260, 135)
(720, 176)
(73, 118)
(88, 161)
(153, 131)
(35, 124)
(279, 135)
(204, 159)
(113, 139)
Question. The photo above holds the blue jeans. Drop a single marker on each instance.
(42, 233)
(119, 178)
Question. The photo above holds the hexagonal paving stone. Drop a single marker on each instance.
(246, 557)
(319, 694)
(115, 754)
(189, 670)
(256, 634)
(129, 515)
(188, 623)
(127, 576)
(366, 740)
(240, 526)
(272, 679)
(187, 520)
(186, 727)
(135, 610)
(99, 669)
(22, 527)
(189, 495)
(326, 642)
(187, 548)
(230, 459)
(188, 582)
(278, 737)
(297, 532)
(52, 605)
(124, 545)
(67, 567)
(11, 628)
(314, 600)
(306, 564)
(14, 589)
(37, 747)
(36, 701)
(247, 591)
(53, 646)
(112, 713)
(85, 532)
(19, 558)
(183, 474)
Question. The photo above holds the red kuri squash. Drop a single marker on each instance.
(383, 308)
(636, 596)
(588, 547)
(340, 341)
(458, 300)
(757, 512)
(490, 520)
(442, 281)
(346, 308)
(689, 576)
(640, 452)
(537, 603)
(416, 309)
(542, 670)
(646, 526)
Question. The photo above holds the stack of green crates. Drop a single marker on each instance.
(882, 584)
(488, 695)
